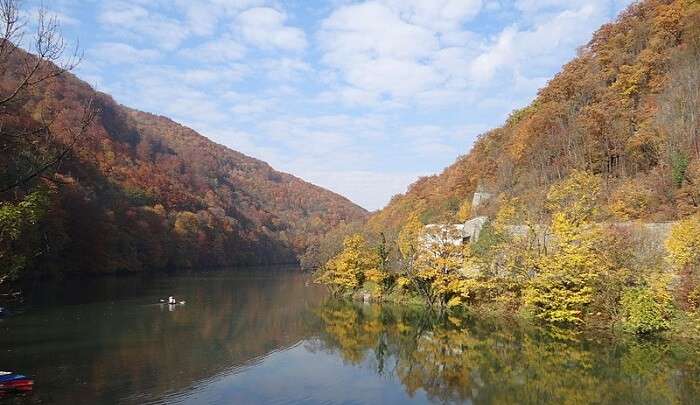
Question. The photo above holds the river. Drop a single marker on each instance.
(270, 337)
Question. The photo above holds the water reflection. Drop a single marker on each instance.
(463, 360)
(270, 338)
(118, 345)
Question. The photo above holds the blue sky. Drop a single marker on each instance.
(360, 97)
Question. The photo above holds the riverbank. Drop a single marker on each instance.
(683, 326)
(584, 274)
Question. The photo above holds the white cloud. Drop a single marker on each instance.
(545, 44)
(437, 15)
(222, 75)
(222, 49)
(135, 21)
(265, 27)
(535, 6)
(397, 50)
(286, 68)
(415, 52)
(501, 53)
(116, 53)
(253, 106)
(63, 19)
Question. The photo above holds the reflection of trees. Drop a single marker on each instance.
(459, 360)
(102, 353)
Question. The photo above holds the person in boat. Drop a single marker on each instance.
(172, 301)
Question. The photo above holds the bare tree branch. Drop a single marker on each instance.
(41, 149)
(76, 135)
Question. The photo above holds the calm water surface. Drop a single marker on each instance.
(267, 337)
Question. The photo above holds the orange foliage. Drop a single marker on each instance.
(599, 114)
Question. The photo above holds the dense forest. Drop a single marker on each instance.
(88, 185)
(626, 108)
(593, 217)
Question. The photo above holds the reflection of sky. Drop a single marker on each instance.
(299, 375)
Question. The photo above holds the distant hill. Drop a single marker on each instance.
(140, 191)
(626, 108)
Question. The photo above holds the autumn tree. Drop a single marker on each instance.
(683, 243)
(345, 273)
(465, 211)
(647, 309)
(30, 153)
(509, 249)
(630, 201)
(683, 246)
(379, 278)
(409, 244)
(39, 149)
(438, 268)
(679, 113)
(565, 282)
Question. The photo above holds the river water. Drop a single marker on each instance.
(271, 337)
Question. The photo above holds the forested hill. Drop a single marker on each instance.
(137, 191)
(626, 108)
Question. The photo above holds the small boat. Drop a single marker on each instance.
(10, 381)
(172, 301)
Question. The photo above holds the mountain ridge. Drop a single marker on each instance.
(145, 192)
(609, 111)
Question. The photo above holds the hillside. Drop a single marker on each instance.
(626, 108)
(139, 191)
(571, 184)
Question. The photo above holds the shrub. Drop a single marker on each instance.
(683, 244)
(646, 310)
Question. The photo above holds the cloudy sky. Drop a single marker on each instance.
(361, 97)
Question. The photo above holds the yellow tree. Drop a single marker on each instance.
(565, 283)
(379, 280)
(630, 201)
(438, 268)
(409, 236)
(576, 197)
(345, 272)
(514, 252)
(683, 244)
(465, 211)
(409, 243)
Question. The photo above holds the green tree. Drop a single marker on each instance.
(647, 309)
(19, 227)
